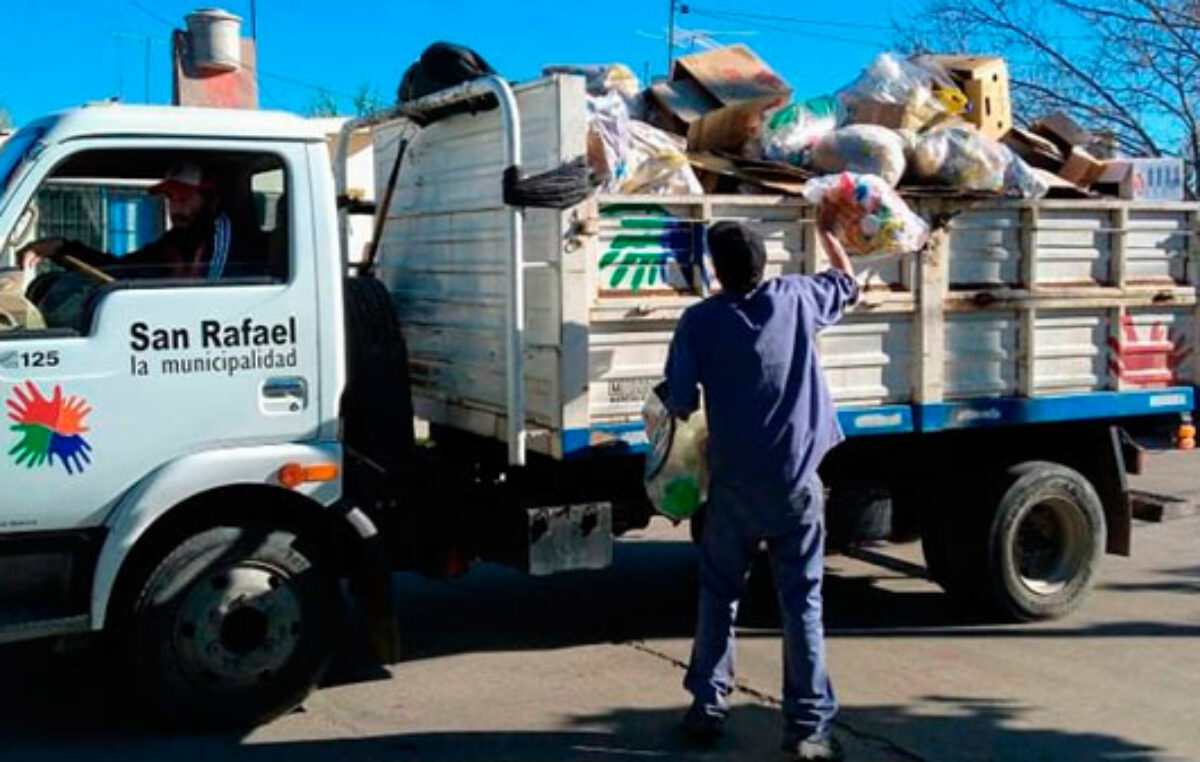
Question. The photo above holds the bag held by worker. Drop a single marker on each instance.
(869, 217)
(676, 474)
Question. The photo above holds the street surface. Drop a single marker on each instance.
(588, 667)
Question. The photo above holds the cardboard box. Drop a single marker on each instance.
(1034, 149)
(1152, 179)
(1081, 168)
(1058, 187)
(717, 98)
(984, 80)
(1063, 131)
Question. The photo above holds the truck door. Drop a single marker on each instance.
(102, 383)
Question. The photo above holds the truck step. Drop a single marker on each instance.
(1153, 507)
(13, 629)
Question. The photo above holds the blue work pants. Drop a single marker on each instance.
(737, 521)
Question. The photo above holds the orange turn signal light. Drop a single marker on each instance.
(292, 475)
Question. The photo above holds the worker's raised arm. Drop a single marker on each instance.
(830, 293)
(838, 258)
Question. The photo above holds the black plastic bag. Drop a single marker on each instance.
(444, 65)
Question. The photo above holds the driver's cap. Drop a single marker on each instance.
(184, 174)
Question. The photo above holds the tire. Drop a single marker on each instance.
(377, 405)
(935, 546)
(857, 515)
(232, 627)
(1045, 541)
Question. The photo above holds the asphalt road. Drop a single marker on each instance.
(588, 667)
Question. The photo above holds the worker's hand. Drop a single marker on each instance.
(826, 218)
(32, 254)
(838, 259)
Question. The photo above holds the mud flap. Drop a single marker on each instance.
(371, 586)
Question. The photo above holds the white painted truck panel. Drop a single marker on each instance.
(1021, 300)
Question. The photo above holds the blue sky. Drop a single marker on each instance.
(60, 53)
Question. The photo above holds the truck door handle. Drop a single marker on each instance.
(284, 394)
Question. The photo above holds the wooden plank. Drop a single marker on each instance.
(1115, 382)
(929, 334)
(1029, 246)
(813, 250)
(1120, 246)
(1027, 358)
(958, 305)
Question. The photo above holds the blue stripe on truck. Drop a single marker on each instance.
(1009, 411)
(625, 438)
(630, 438)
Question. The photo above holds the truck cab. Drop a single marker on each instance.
(154, 422)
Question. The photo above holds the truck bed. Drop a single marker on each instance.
(1019, 311)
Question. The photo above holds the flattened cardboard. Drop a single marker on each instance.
(1081, 168)
(717, 98)
(778, 177)
(731, 74)
(1063, 131)
(1034, 149)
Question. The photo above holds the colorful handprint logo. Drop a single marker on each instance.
(48, 429)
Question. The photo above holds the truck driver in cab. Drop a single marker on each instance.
(201, 243)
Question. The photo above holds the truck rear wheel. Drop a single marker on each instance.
(1045, 541)
(1031, 555)
(377, 404)
(234, 626)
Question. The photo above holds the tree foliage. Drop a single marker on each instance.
(1128, 66)
(366, 99)
(323, 104)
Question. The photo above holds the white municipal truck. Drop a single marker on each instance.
(193, 466)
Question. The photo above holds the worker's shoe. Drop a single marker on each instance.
(702, 726)
(818, 746)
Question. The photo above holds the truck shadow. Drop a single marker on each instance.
(957, 728)
(75, 699)
(1181, 580)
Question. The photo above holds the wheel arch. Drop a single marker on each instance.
(179, 498)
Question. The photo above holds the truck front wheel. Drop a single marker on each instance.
(233, 626)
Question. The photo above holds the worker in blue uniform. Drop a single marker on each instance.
(752, 349)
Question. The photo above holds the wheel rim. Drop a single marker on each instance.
(1051, 548)
(238, 626)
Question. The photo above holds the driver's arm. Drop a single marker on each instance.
(55, 249)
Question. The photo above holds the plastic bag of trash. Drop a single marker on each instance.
(656, 162)
(608, 139)
(676, 475)
(869, 217)
(961, 157)
(789, 133)
(1020, 181)
(863, 149)
(895, 92)
(601, 78)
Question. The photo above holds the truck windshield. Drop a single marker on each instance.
(14, 152)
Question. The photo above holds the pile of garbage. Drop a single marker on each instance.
(725, 122)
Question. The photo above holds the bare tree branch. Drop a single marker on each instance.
(1131, 67)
